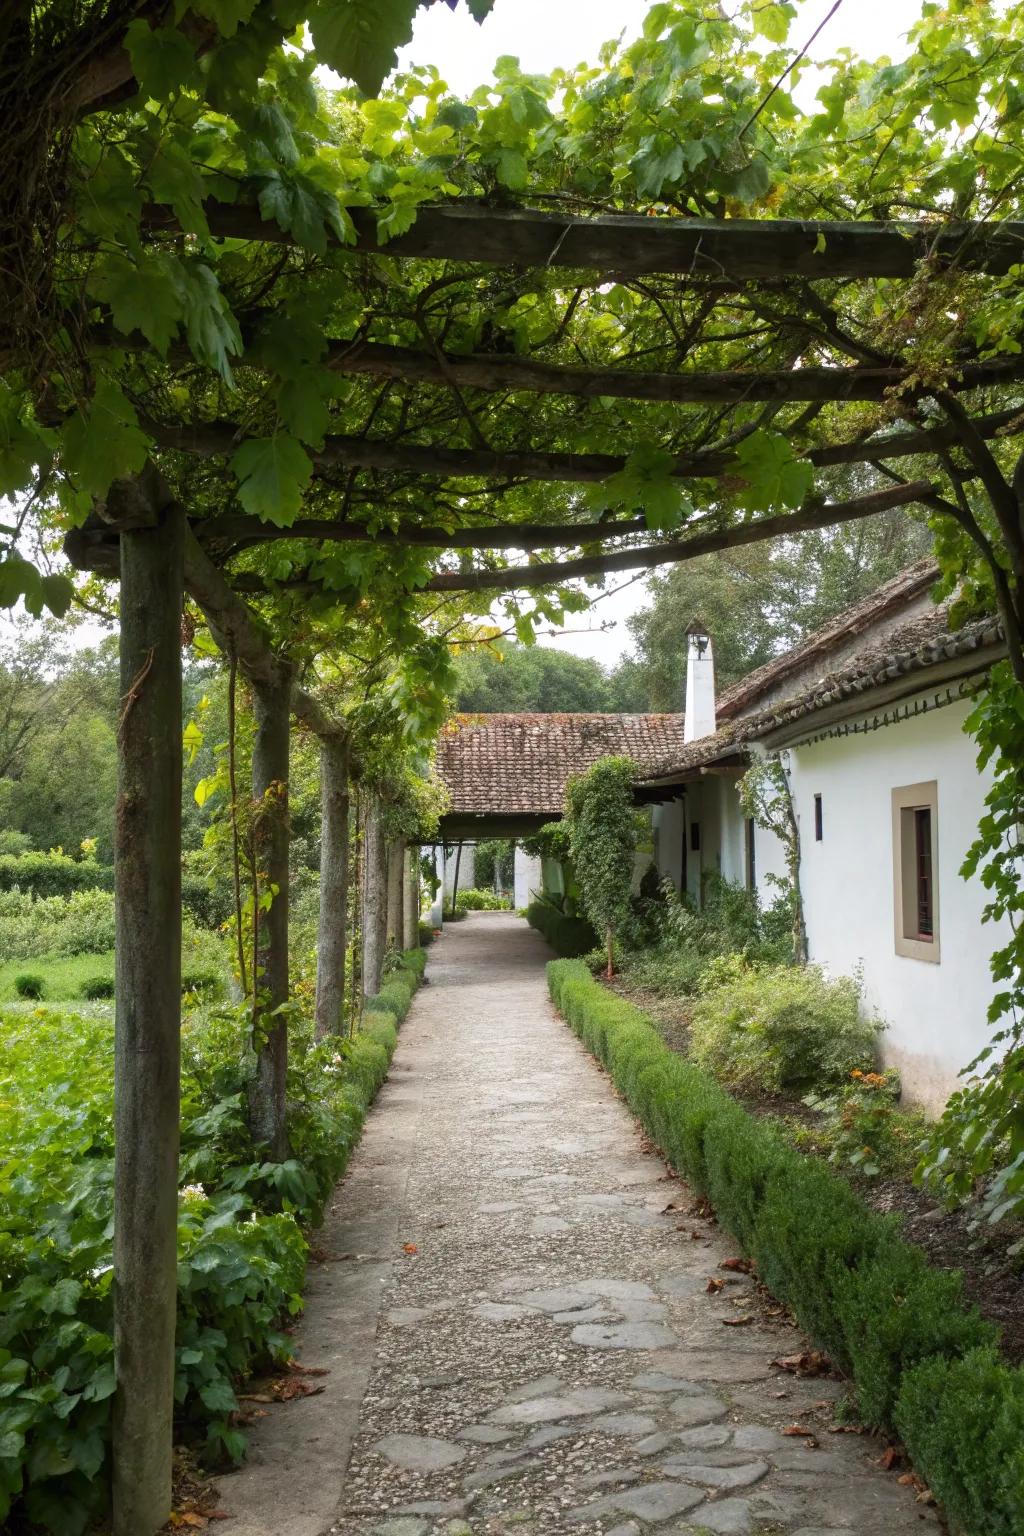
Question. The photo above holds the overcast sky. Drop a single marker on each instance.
(546, 33)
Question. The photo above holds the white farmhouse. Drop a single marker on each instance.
(867, 716)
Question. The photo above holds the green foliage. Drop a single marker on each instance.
(862, 1127)
(494, 861)
(962, 1422)
(81, 923)
(241, 1248)
(29, 984)
(568, 936)
(675, 956)
(888, 1319)
(97, 987)
(481, 901)
(52, 874)
(603, 835)
(784, 1027)
(530, 678)
(981, 1133)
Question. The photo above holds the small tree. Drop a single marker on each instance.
(766, 798)
(603, 832)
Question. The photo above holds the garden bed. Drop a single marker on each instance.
(951, 1239)
(920, 1359)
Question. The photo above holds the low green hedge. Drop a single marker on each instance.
(568, 936)
(400, 983)
(921, 1359)
(53, 874)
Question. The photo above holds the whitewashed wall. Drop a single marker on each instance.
(935, 1013)
(529, 878)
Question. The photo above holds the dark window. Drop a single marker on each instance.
(751, 859)
(817, 819)
(923, 872)
(695, 836)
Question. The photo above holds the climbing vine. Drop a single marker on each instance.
(603, 832)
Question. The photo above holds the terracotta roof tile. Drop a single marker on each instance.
(519, 764)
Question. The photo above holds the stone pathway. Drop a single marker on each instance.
(548, 1357)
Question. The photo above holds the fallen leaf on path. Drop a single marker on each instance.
(735, 1322)
(847, 1429)
(254, 1397)
(409, 1248)
(307, 1370)
(714, 1285)
(780, 1394)
(890, 1457)
(800, 1431)
(739, 1266)
(285, 1391)
(810, 1362)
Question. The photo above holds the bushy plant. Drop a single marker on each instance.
(95, 988)
(963, 1423)
(481, 901)
(863, 1128)
(569, 936)
(766, 1029)
(603, 834)
(30, 985)
(52, 874)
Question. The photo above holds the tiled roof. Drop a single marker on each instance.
(743, 696)
(519, 764)
(923, 642)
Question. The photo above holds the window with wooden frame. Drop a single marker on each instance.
(915, 870)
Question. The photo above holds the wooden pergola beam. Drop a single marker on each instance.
(468, 230)
(498, 372)
(219, 438)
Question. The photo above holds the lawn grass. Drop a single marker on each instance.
(63, 976)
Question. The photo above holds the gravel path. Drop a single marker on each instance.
(548, 1356)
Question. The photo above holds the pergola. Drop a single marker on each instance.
(144, 535)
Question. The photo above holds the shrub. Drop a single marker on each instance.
(917, 1356)
(784, 1027)
(426, 934)
(481, 901)
(568, 936)
(80, 923)
(29, 985)
(963, 1423)
(52, 874)
(95, 987)
(203, 981)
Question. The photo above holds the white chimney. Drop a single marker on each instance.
(700, 684)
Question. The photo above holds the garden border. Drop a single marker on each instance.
(921, 1361)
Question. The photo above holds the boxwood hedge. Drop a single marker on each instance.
(922, 1361)
(568, 936)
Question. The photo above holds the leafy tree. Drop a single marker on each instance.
(761, 600)
(603, 834)
(528, 678)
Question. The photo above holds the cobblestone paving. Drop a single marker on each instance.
(549, 1358)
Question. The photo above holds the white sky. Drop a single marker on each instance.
(546, 33)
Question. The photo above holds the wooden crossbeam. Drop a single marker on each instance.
(219, 438)
(735, 386)
(743, 249)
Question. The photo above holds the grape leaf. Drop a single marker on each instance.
(302, 408)
(228, 14)
(646, 484)
(775, 476)
(272, 472)
(163, 59)
(211, 328)
(296, 209)
(360, 38)
(143, 296)
(103, 441)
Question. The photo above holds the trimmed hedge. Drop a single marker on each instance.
(396, 995)
(568, 936)
(53, 874)
(921, 1359)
